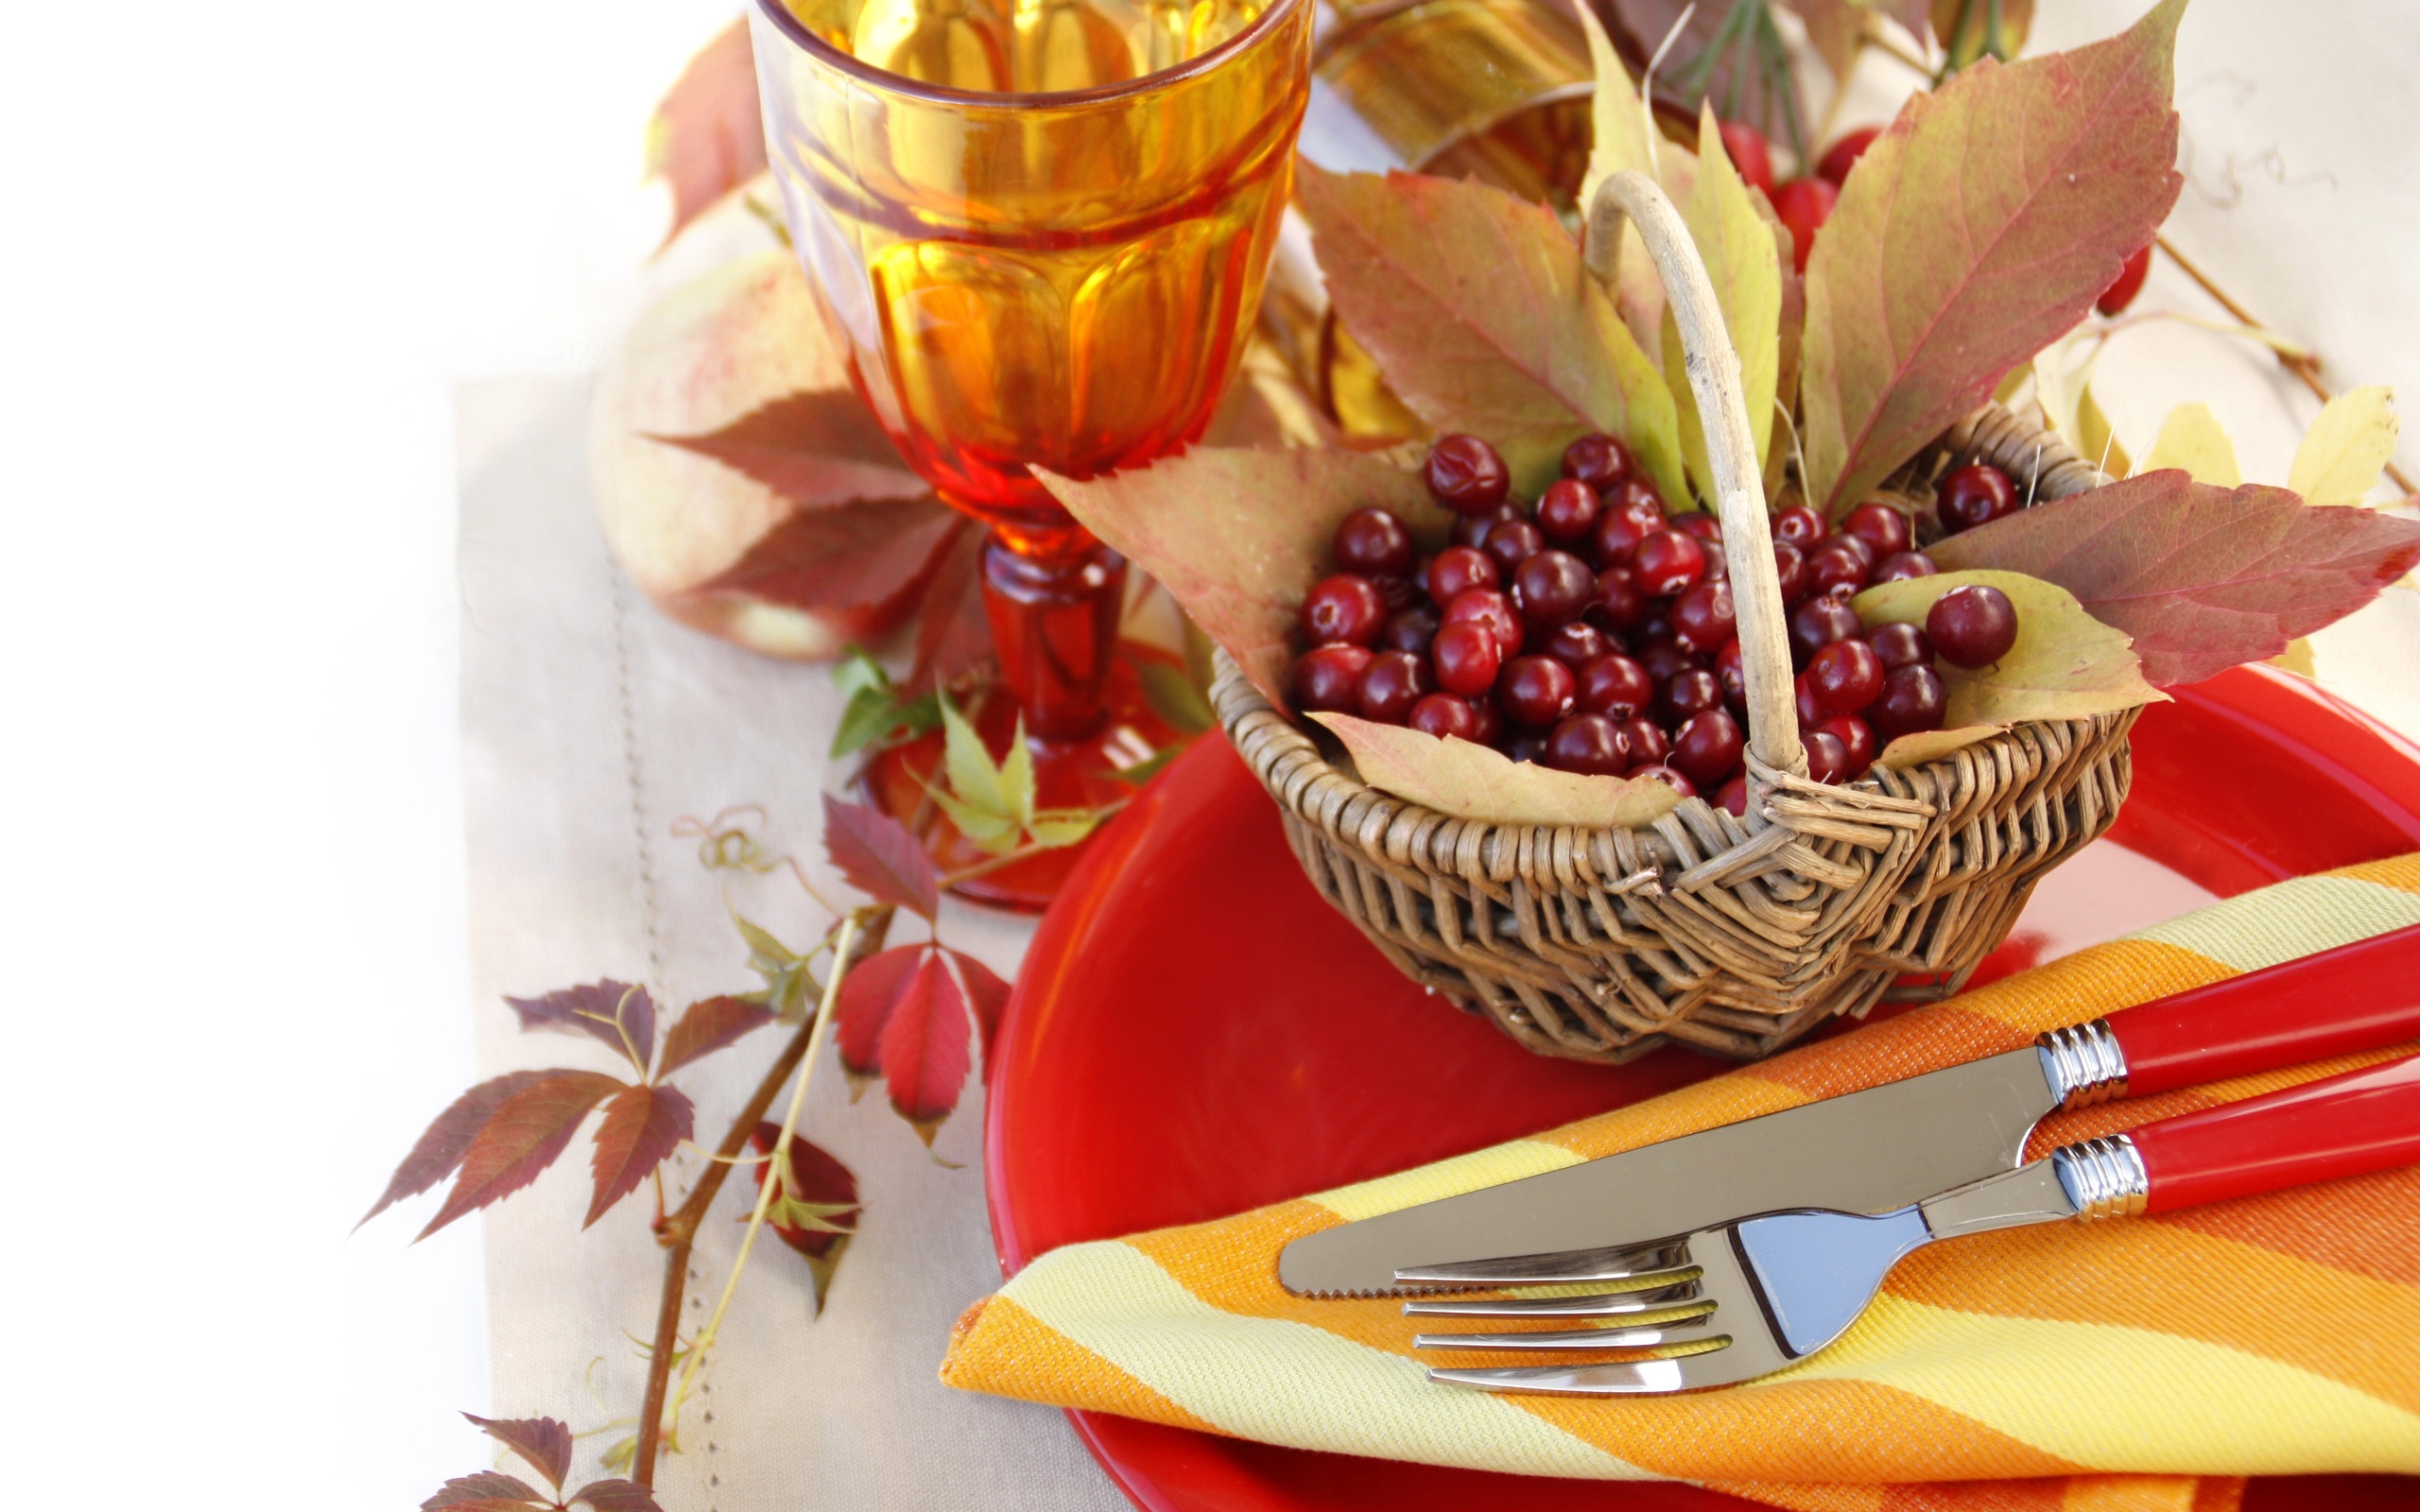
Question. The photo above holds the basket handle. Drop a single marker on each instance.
(1731, 447)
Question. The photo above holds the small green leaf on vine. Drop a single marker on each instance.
(790, 987)
(877, 713)
(993, 802)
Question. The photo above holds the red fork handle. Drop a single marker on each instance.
(2348, 1125)
(2361, 996)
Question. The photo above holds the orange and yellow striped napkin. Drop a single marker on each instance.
(2143, 1364)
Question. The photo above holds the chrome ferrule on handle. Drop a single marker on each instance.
(2085, 1065)
(2103, 1178)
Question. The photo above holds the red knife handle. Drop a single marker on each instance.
(2348, 1125)
(2361, 996)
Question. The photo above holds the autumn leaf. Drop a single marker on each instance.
(788, 983)
(986, 993)
(2346, 447)
(954, 633)
(1483, 319)
(1711, 60)
(816, 1208)
(2193, 438)
(844, 556)
(616, 1014)
(1983, 223)
(642, 1126)
(708, 135)
(486, 1491)
(868, 995)
(816, 449)
(521, 1139)
(924, 1049)
(1238, 536)
(2201, 577)
(2065, 665)
(1475, 781)
(617, 1496)
(1736, 245)
(441, 1147)
(1172, 695)
(991, 802)
(879, 857)
(1627, 140)
(1963, 29)
(544, 1442)
(877, 710)
(709, 1024)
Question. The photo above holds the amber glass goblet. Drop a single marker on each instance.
(1040, 227)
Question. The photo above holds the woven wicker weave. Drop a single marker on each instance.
(1733, 934)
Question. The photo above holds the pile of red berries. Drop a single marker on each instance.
(1593, 633)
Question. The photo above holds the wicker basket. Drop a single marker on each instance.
(1734, 935)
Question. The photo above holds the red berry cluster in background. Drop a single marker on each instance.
(1591, 632)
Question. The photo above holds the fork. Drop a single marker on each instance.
(1743, 1299)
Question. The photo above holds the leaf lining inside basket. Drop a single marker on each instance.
(1475, 782)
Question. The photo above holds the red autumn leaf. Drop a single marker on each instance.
(545, 1442)
(879, 857)
(643, 1126)
(520, 1139)
(868, 995)
(709, 1025)
(708, 135)
(2203, 577)
(985, 992)
(819, 1178)
(616, 1014)
(814, 447)
(441, 1145)
(1982, 224)
(847, 556)
(954, 633)
(617, 1496)
(485, 1491)
(925, 1048)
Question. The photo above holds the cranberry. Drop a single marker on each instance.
(1512, 544)
(1589, 744)
(1648, 745)
(1536, 691)
(1567, 510)
(1396, 592)
(1468, 657)
(1666, 661)
(1465, 474)
(1811, 712)
(1801, 526)
(1881, 526)
(1619, 604)
(1704, 618)
(1666, 562)
(1854, 735)
(1613, 684)
(1803, 205)
(1343, 608)
(1635, 492)
(1470, 529)
(1596, 460)
(1733, 796)
(1526, 747)
(1899, 645)
(1731, 670)
(1656, 630)
(1975, 494)
(1838, 566)
(1688, 693)
(1374, 543)
(1914, 699)
(1459, 569)
(1442, 714)
(1827, 760)
(1552, 587)
(1493, 612)
(1620, 529)
(1697, 523)
(1329, 678)
(1972, 625)
(1846, 676)
(1410, 629)
(1708, 749)
(1900, 566)
(2122, 293)
(1817, 623)
(1490, 721)
(1842, 155)
(1392, 683)
(1789, 570)
(1745, 147)
(1577, 643)
(1669, 778)
(1717, 562)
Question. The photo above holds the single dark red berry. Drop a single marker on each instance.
(1811, 712)
(1818, 622)
(1827, 760)
(1664, 563)
(1746, 148)
(1789, 570)
(1619, 529)
(1552, 587)
(1596, 460)
(1665, 660)
(1460, 569)
(1881, 526)
(1846, 676)
(1442, 714)
(1536, 691)
(1839, 566)
(1343, 608)
(1635, 492)
(1576, 644)
(1467, 657)
(1392, 683)
(1914, 699)
(1374, 543)
(1667, 777)
(1856, 737)
(1731, 670)
(1329, 678)
(1733, 796)
(1801, 526)
(1465, 474)
(1699, 523)
(1410, 629)
(1471, 529)
(1901, 566)
(1492, 611)
(1512, 544)
(1975, 494)
(1619, 604)
(1588, 744)
(1490, 721)
(1803, 205)
(1900, 645)
(1688, 693)
(1616, 685)
(2128, 283)
(1842, 155)
(1717, 562)
(1567, 511)
(1972, 625)
(1704, 618)
(1396, 592)
(1706, 750)
(1648, 744)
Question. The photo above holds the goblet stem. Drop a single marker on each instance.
(1054, 625)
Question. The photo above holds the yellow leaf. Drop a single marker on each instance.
(1931, 745)
(1627, 138)
(2065, 665)
(2297, 657)
(2193, 438)
(1472, 781)
(2100, 442)
(1745, 267)
(2346, 447)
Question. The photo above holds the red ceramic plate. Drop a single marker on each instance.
(1195, 1033)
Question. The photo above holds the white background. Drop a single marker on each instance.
(246, 250)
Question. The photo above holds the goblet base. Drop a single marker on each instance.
(1068, 773)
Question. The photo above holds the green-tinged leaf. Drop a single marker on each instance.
(1475, 782)
(2100, 440)
(543, 1443)
(1736, 245)
(1483, 320)
(788, 983)
(522, 1138)
(1966, 30)
(2297, 658)
(1985, 222)
(1062, 827)
(1628, 140)
(2346, 447)
(1238, 536)
(976, 781)
(1153, 765)
(1016, 778)
(1173, 696)
(709, 1024)
(991, 831)
(856, 673)
(2193, 438)
(874, 716)
(2065, 665)
(642, 1126)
